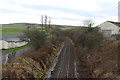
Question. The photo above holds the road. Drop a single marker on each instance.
(66, 66)
(18, 52)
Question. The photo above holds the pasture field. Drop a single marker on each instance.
(20, 27)
(0, 30)
(15, 27)
(12, 29)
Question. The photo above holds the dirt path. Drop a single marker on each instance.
(66, 66)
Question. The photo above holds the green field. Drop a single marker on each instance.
(15, 27)
(0, 30)
(12, 29)
(20, 27)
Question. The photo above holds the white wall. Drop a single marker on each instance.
(0, 44)
(4, 44)
(109, 26)
(107, 33)
(10, 45)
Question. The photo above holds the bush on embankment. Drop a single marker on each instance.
(97, 57)
(34, 64)
(35, 37)
(85, 37)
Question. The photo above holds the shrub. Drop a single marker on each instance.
(86, 37)
(57, 36)
(35, 37)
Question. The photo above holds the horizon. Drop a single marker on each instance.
(34, 23)
(71, 12)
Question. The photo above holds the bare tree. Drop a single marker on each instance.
(49, 22)
(45, 21)
(42, 21)
(88, 22)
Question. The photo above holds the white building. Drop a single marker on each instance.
(11, 44)
(0, 44)
(4, 44)
(109, 28)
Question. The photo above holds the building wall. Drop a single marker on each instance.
(107, 33)
(108, 29)
(0, 44)
(10, 45)
(109, 26)
(4, 44)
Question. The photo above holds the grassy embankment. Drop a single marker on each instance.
(15, 49)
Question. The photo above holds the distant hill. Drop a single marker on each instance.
(20, 25)
(33, 25)
(58, 26)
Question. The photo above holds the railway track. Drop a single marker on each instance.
(66, 64)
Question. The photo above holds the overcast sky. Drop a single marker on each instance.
(64, 12)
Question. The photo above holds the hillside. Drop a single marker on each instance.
(33, 25)
(101, 62)
(20, 27)
(32, 64)
(16, 27)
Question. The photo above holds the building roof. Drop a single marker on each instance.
(11, 37)
(115, 23)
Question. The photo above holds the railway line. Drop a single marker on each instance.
(66, 66)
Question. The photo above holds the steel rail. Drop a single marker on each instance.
(75, 63)
(68, 64)
(62, 62)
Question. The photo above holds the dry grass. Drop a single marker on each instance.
(22, 68)
(32, 64)
(101, 62)
(45, 54)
